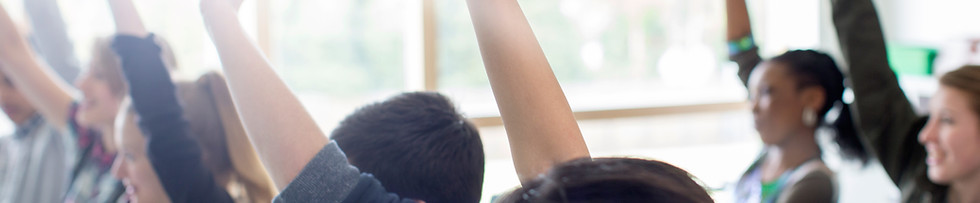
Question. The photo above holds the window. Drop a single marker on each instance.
(610, 57)
(642, 53)
(339, 55)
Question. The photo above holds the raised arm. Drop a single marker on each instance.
(127, 19)
(172, 151)
(49, 95)
(50, 37)
(284, 134)
(885, 117)
(540, 125)
(741, 45)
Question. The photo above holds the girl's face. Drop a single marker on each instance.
(100, 103)
(778, 103)
(951, 138)
(133, 167)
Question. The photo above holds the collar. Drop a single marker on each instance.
(28, 127)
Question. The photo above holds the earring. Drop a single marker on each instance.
(809, 117)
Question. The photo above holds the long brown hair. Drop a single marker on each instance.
(966, 79)
(227, 151)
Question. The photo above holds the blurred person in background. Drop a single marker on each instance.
(86, 120)
(934, 158)
(189, 145)
(791, 96)
(38, 158)
(413, 147)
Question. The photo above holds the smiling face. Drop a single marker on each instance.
(778, 102)
(102, 88)
(132, 166)
(952, 138)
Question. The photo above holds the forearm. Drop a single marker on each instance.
(285, 135)
(738, 19)
(742, 48)
(540, 125)
(175, 156)
(127, 19)
(150, 86)
(38, 84)
(51, 37)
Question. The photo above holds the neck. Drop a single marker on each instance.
(965, 190)
(792, 152)
(106, 134)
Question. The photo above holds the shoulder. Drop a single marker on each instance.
(369, 189)
(814, 183)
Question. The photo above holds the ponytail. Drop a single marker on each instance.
(248, 169)
(846, 134)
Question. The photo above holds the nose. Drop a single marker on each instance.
(930, 132)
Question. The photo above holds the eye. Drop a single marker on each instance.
(129, 156)
(946, 120)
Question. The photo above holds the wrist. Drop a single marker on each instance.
(741, 44)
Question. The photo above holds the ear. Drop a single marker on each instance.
(813, 97)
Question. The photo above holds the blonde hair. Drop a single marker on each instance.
(227, 150)
(106, 64)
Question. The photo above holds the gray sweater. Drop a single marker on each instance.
(330, 178)
(38, 161)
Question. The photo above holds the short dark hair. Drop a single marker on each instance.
(418, 146)
(612, 180)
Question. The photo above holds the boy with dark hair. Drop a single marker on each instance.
(418, 145)
(309, 167)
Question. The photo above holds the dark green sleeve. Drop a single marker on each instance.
(883, 114)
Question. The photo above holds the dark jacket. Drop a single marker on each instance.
(175, 155)
(884, 116)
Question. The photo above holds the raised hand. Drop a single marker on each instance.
(285, 135)
(127, 19)
(11, 40)
(50, 96)
(235, 5)
(540, 125)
